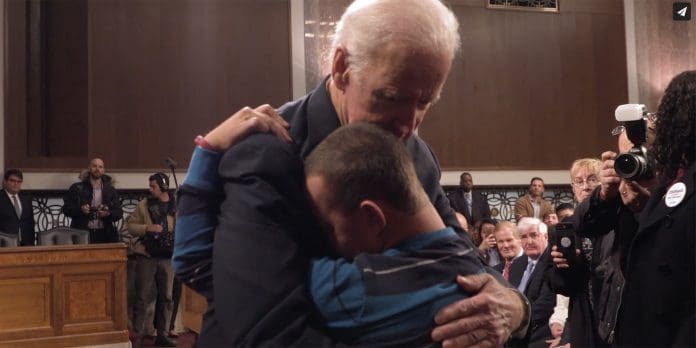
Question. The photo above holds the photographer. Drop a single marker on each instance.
(93, 204)
(656, 247)
(153, 223)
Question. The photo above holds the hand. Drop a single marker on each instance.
(553, 343)
(103, 211)
(245, 122)
(556, 330)
(156, 228)
(607, 175)
(633, 195)
(486, 319)
(85, 209)
(487, 243)
(559, 259)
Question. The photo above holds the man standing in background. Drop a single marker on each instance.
(473, 205)
(93, 204)
(16, 214)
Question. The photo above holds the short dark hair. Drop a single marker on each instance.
(463, 174)
(361, 161)
(161, 179)
(13, 171)
(535, 179)
(564, 206)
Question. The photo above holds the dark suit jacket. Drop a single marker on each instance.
(479, 205)
(539, 293)
(266, 234)
(10, 223)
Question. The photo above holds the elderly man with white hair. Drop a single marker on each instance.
(383, 72)
(528, 274)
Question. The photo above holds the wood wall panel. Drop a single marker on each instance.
(159, 72)
(530, 90)
(32, 309)
(664, 48)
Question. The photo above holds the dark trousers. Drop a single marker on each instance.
(154, 281)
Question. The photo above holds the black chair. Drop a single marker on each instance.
(63, 236)
(8, 240)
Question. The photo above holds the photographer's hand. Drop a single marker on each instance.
(607, 176)
(103, 211)
(155, 228)
(633, 195)
(559, 259)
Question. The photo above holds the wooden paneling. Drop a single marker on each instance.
(664, 48)
(158, 72)
(62, 296)
(193, 305)
(530, 90)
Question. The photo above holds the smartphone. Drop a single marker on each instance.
(565, 239)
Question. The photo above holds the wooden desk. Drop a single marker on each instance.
(194, 305)
(63, 296)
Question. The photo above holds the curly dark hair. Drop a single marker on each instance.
(674, 128)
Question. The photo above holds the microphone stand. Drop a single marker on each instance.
(172, 166)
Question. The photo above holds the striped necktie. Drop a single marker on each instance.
(17, 207)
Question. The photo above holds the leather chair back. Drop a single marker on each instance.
(8, 240)
(63, 236)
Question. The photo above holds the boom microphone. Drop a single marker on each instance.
(170, 162)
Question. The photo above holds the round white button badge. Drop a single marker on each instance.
(675, 194)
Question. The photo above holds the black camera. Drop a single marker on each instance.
(634, 164)
(93, 213)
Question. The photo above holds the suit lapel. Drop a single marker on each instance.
(517, 270)
(5, 201)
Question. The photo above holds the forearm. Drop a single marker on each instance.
(197, 207)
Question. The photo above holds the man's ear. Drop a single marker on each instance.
(339, 68)
(373, 214)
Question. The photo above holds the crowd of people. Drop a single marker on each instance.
(323, 222)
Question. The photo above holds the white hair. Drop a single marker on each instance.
(369, 25)
(527, 222)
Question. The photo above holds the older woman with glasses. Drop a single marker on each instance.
(576, 276)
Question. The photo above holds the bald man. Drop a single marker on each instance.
(93, 204)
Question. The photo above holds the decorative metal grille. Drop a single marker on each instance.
(502, 200)
(47, 205)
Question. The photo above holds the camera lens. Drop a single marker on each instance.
(627, 165)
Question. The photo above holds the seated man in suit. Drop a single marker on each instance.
(16, 213)
(509, 245)
(473, 205)
(528, 274)
(398, 260)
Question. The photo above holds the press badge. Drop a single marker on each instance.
(675, 194)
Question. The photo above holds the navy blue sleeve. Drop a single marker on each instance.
(199, 200)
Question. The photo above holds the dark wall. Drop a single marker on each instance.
(157, 73)
(531, 90)
(664, 48)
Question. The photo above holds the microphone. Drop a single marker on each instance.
(170, 162)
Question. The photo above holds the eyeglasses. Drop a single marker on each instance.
(650, 117)
(590, 181)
